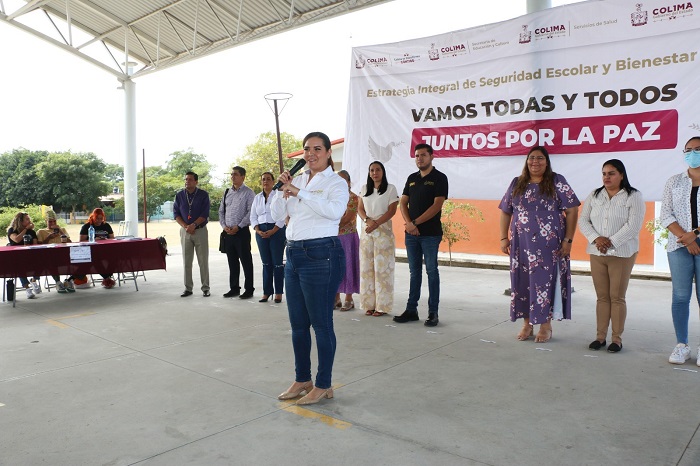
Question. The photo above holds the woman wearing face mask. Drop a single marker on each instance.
(680, 214)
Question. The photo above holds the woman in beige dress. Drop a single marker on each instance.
(378, 202)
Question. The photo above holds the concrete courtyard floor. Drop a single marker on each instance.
(118, 377)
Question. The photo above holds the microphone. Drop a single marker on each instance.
(297, 166)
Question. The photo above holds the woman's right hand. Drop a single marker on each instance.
(371, 225)
(505, 246)
(284, 178)
(602, 244)
(688, 239)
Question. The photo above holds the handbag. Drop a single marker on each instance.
(222, 236)
(222, 245)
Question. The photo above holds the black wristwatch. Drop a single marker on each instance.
(697, 231)
(568, 240)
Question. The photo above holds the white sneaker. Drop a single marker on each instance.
(36, 286)
(68, 285)
(60, 287)
(681, 353)
(30, 294)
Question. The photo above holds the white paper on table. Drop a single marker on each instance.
(80, 254)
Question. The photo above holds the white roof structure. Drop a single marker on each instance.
(150, 35)
(132, 38)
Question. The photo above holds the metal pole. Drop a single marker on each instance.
(130, 173)
(145, 218)
(279, 141)
(538, 5)
(275, 97)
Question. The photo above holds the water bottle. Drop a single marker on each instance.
(91, 234)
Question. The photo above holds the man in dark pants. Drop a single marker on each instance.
(421, 205)
(234, 217)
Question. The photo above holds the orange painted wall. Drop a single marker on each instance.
(485, 236)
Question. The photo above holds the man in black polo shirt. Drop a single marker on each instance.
(421, 205)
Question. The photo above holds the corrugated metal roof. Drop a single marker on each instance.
(157, 34)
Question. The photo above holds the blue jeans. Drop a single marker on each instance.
(272, 257)
(419, 248)
(684, 266)
(313, 272)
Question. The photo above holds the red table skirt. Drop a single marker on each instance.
(108, 256)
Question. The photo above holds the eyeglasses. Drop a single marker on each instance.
(692, 149)
(539, 158)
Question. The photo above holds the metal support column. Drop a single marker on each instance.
(538, 5)
(130, 175)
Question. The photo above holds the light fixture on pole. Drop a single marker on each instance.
(275, 97)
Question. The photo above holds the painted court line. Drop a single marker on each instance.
(308, 414)
(58, 324)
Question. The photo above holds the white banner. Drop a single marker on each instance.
(591, 81)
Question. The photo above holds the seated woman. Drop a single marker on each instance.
(20, 228)
(103, 230)
(53, 234)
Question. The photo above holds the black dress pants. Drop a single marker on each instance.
(238, 254)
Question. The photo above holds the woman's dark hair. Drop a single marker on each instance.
(326, 143)
(273, 179)
(317, 134)
(547, 183)
(624, 184)
(383, 185)
(691, 139)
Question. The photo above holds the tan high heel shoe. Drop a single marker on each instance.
(328, 393)
(306, 388)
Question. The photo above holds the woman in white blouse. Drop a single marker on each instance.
(377, 206)
(314, 201)
(611, 218)
(679, 213)
(270, 237)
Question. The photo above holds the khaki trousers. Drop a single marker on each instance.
(611, 275)
(197, 243)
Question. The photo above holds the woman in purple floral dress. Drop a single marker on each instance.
(538, 220)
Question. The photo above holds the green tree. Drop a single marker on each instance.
(114, 173)
(73, 180)
(181, 162)
(261, 156)
(20, 179)
(159, 189)
(454, 229)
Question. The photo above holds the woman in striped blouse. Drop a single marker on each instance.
(611, 219)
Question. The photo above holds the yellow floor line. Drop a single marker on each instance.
(307, 413)
(290, 407)
(77, 315)
(58, 324)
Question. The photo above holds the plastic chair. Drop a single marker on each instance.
(123, 229)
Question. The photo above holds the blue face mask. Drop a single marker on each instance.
(692, 158)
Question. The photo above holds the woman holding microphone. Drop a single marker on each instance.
(315, 201)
